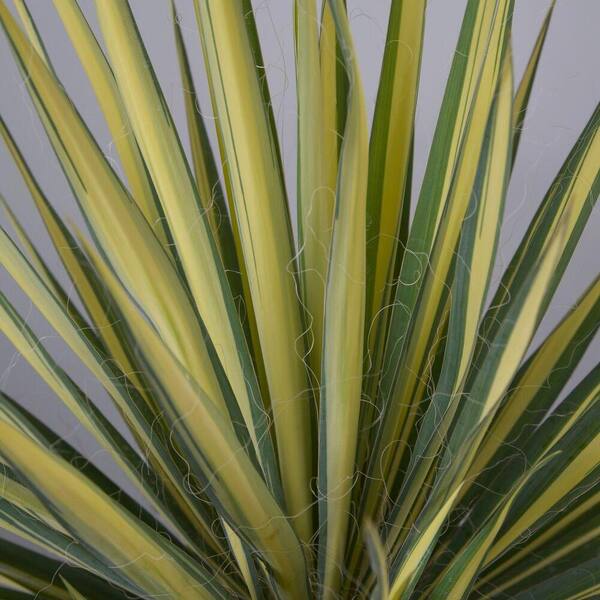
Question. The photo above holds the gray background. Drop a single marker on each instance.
(566, 92)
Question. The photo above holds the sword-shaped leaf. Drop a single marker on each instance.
(315, 202)
(569, 538)
(113, 217)
(444, 199)
(538, 384)
(390, 156)
(249, 149)
(39, 574)
(524, 90)
(474, 264)
(344, 320)
(568, 203)
(142, 556)
(457, 579)
(213, 451)
(131, 406)
(190, 227)
(109, 99)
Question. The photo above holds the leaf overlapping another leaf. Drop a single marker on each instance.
(349, 410)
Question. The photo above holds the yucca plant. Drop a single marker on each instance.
(345, 412)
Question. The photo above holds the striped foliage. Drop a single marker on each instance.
(351, 409)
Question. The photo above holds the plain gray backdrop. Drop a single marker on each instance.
(566, 92)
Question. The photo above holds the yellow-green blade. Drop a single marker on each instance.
(575, 470)
(540, 380)
(213, 451)
(568, 538)
(315, 201)
(389, 191)
(209, 187)
(507, 351)
(32, 571)
(378, 559)
(109, 99)
(576, 583)
(212, 196)
(526, 424)
(143, 556)
(525, 87)
(475, 261)
(563, 427)
(390, 154)
(444, 198)
(176, 189)
(131, 406)
(415, 559)
(113, 217)
(250, 151)
(458, 578)
(73, 261)
(341, 372)
(38, 530)
(473, 418)
(334, 89)
(73, 593)
(37, 429)
(334, 82)
(44, 271)
(14, 492)
(568, 203)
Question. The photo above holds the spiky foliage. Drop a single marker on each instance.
(341, 413)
